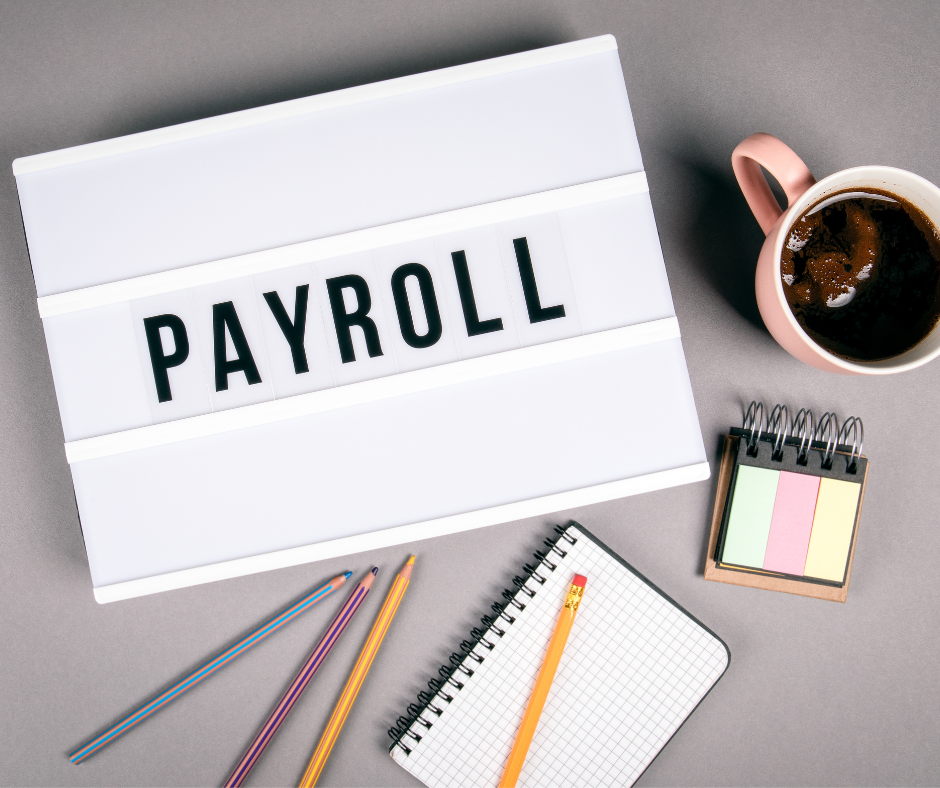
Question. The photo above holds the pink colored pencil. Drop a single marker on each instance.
(297, 686)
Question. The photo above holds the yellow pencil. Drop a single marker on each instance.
(543, 683)
(353, 685)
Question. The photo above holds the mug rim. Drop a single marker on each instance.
(816, 192)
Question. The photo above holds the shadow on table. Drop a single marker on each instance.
(719, 233)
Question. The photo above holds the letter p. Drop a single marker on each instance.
(160, 361)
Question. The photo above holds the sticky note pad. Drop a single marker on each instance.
(792, 523)
(750, 518)
(833, 524)
(786, 512)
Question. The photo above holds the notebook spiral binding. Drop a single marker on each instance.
(454, 674)
(803, 431)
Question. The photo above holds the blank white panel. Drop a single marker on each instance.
(240, 391)
(97, 371)
(402, 460)
(546, 253)
(324, 173)
(189, 382)
(616, 263)
(488, 293)
(284, 376)
(364, 366)
(387, 261)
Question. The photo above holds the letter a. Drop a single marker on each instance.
(225, 317)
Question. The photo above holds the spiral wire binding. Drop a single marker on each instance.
(858, 440)
(828, 432)
(483, 639)
(805, 429)
(805, 422)
(779, 424)
(754, 418)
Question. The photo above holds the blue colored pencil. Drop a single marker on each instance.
(122, 727)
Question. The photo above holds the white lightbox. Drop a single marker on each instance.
(358, 319)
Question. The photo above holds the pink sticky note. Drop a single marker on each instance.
(791, 523)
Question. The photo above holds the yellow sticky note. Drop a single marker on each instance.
(833, 523)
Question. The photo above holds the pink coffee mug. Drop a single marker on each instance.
(802, 191)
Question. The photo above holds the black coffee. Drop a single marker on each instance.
(861, 273)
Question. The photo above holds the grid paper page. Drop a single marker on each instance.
(634, 668)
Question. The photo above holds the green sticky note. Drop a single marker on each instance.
(833, 523)
(752, 508)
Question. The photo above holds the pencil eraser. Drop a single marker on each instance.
(579, 580)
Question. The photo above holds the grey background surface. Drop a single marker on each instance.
(817, 693)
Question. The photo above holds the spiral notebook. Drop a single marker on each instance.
(635, 667)
(789, 501)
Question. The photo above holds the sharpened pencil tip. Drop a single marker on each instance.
(410, 561)
(375, 570)
(347, 575)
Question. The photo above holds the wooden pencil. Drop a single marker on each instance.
(194, 678)
(543, 683)
(358, 676)
(300, 682)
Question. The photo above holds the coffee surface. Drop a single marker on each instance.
(861, 273)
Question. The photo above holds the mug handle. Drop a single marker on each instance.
(781, 162)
